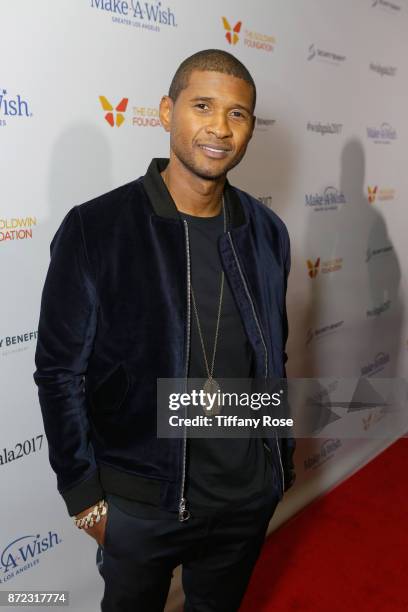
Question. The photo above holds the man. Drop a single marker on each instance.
(174, 275)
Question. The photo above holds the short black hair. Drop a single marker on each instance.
(215, 60)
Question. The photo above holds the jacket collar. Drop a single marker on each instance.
(164, 205)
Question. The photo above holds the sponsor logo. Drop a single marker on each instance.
(114, 116)
(17, 228)
(372, 193)
(313, 267)
(12, 107)
(20, 450)
(384, 134)
(142, 116)
(383, 70)
(324, 56)
(25, 552)
(251, 38)
(324, 267)
(22, 341)
(324, 128)
(321, 332)
(370, 253)
(330, 199)
(379, 363)
(378, 310)
(262, 125)
(327, 450)
(146, 15)
(373, 417)
(375, 194)
(385, 4)
(231, 32)
(145, 116)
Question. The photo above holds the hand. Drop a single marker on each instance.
(98, 530)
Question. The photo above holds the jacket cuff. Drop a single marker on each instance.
(83, 495)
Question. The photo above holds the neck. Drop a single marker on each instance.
(192, 194)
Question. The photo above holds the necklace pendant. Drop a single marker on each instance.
(211, 405)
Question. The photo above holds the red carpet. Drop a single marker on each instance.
(347, 551)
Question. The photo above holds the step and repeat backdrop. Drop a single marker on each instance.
(80, 84)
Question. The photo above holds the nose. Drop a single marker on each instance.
(219, 125)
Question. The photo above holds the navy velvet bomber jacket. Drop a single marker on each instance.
(115, 316)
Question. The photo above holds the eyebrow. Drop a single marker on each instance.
(209, 99)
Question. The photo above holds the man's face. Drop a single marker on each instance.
(210, 123)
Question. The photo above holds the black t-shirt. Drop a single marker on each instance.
(219, 471)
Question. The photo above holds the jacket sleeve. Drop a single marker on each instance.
(66, 332)
(288, 443)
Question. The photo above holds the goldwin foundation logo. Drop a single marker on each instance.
(17, 228)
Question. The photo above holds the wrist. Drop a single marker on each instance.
(92, 517)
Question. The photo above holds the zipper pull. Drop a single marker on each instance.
(184, 514)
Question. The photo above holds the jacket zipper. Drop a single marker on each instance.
(263, 342)
(184, 514)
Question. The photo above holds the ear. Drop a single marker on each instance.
(166, 111)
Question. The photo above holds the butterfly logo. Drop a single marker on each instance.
(372, 193)
(313, 268)
(231, 33)
(119, 108)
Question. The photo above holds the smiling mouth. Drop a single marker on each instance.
(214, 151)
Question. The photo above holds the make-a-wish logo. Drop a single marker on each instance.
(114, 115)
(253, 39)
(324, 56)
(17, 228)
(12, 106)
(383, 70)
(385, 4)
(330, 199)
(23, 553)
(373, 367)
(384, 134)
(327, 450)
(147, 15)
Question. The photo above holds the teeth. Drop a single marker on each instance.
(214, 150)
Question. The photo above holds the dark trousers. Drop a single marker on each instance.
(217, 553)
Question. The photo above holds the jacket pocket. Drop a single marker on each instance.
(110, 394)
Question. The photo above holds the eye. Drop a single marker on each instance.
(241, 116)
(201, 106)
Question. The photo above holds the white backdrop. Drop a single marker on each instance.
(327, 156)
